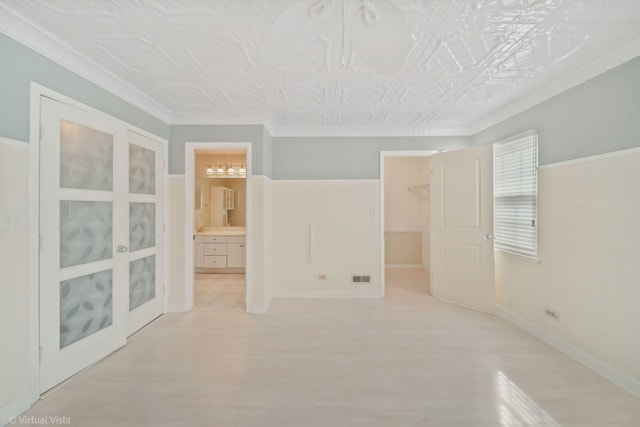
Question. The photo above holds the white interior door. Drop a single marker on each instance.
(145, 164)
(462, 268)
(101, 227)
(83, 277)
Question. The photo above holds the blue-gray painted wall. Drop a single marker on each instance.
(347, 157)
(20, 65)
(598, 116)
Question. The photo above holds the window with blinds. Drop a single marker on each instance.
(515, 191)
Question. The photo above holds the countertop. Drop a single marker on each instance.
(222, 231)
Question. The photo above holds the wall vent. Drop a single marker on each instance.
(360, 279)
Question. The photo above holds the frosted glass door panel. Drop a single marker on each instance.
(142, 281)
(86, 232)
(142, 170)
(146, 296)
(142, 225)
(86, 306)
(86, 158)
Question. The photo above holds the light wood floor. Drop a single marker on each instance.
(405, 360)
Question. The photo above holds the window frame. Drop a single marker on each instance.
(515, 197)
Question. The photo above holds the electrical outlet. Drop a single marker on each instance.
(360, 279)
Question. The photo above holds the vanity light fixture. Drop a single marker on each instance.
(209, 170)
(220, 171)
(231, 171)
(242, 171)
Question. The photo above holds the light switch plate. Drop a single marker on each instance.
(7, 220)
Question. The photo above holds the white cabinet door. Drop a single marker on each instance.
(215, 249)
(461, 227)
(235, 255)
(229, 198)
(215, 261)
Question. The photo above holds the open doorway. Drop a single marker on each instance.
(217, 187)
(405, 226)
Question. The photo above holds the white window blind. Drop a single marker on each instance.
(515, 193)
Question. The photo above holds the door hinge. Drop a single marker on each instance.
(41, 136)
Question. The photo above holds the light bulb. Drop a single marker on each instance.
(242, 170)
(231, 171)
(220, 170)
(209, 170)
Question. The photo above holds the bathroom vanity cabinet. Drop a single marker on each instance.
(219, 252)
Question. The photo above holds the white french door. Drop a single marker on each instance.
(100, 266)
(146, 254)
(462, 264)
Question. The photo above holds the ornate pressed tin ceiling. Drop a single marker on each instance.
(470, 63)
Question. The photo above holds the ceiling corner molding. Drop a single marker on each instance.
(220, 118)
(23, 31)
(366, 131)
(573, 78)
(269, 126)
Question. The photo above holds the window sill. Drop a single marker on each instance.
(535, 259)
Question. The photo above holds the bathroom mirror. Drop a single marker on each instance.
(198, 197)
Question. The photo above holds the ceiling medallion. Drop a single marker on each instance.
(377, 32)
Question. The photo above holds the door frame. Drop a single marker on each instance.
(33, 218)
(189, 196)
(383, 156)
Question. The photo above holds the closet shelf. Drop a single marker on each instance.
(421, 191)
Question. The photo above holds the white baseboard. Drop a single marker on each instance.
(365, 293)
(16, 407)
(403, 265)
(176, 308)
(257, 309)
(599, 367)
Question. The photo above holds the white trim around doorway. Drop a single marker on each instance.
(189, 185)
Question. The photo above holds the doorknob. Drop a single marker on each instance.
(122, 248)
(489, 237)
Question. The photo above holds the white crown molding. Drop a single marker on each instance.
(23, 31)
(368, 131)
(575, 77)
(264, 119)
(220, 118)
